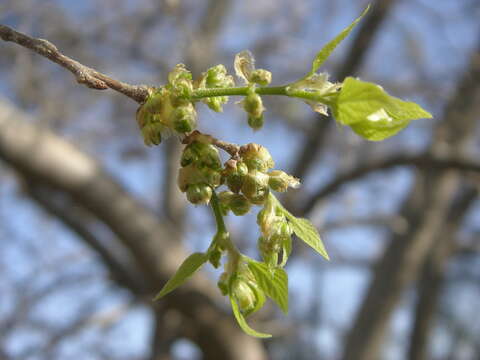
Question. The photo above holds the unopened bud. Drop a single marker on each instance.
(269, 249)
(187, 175)
(215, 103)
(255, 187)
(224, 199)
(256, 157)
(261, 77)
(216, 77)
(256, 123)
(199, 194)
(239, 204)
(184, 118)
(253, 105)
(179, 73)
(210, 176)
(234, 173)
(156, 102)
(202, 155)
(280, 181)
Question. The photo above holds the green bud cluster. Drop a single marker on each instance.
(243, 287)
(248, 174)
(275, 243)
(200, 172)
(168, 108)
(249, 178)
(254, 108)
(216, 77)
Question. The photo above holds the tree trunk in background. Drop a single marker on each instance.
(43, 158)
(425, 211)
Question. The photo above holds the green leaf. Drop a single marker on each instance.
(305, 230)
(371, 112)
(243, 323)
(323, 54)
(274, 282)
(189, 266)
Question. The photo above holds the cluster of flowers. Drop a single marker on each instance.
(170, 108)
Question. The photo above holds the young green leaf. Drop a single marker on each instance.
(274, 282)
(305, 230)
(243, 323)
(189, 266)
(323, 54)
(371, 112)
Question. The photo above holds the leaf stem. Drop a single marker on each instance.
(233, 253)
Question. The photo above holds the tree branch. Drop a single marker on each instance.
(83, 74)
(421, 161)
(38, 153)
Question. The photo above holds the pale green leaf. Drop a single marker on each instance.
(243, 323)
(371, 112)
(305, 230)
(189, 266)
(323, 54)
(274, 282)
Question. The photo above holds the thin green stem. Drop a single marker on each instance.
(270, 90)
(217, 213)
(227, 243)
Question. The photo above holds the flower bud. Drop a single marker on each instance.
(267, 217)
(255, 187)
(179, 73)
(253, 105)
(216, 77)
(261, 77)
(150, 127)
(244, 295)
(239, 204)
(187, 175)
(280, 181)
(256, 157)
(210, 176)
(155, 102)
(224, 199)
(202, 155)
(184, 118)
(215, 103)
(256, 123)
(199, 194)
(234, 173)
(269, 250)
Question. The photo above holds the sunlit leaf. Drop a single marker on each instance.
(274, 282)
(305, 230)
(371, 112)
(243, 323)
(190, 265)
(323, 54)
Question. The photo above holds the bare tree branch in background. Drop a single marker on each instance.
(425, 210)
(39, 154)
(433, 276)
(422, 161)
